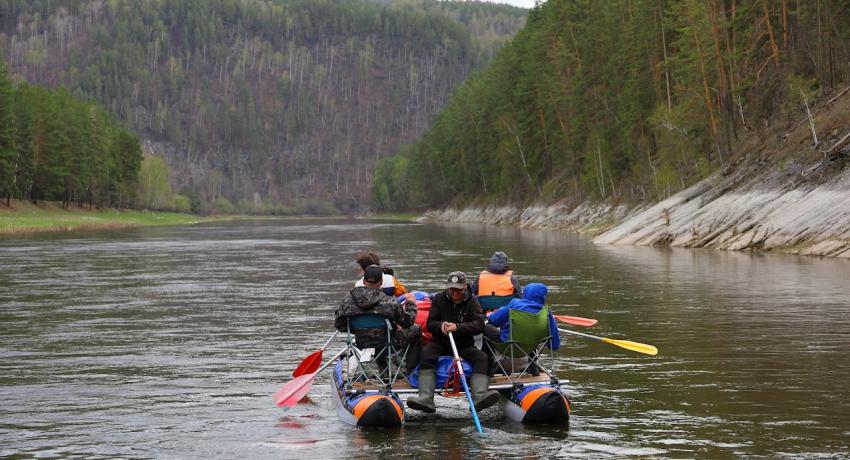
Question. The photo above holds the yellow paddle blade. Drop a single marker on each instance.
(633, 346)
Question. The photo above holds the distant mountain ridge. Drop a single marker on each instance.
(265, 102)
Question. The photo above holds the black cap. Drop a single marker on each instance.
(373, 274)
(457, 280)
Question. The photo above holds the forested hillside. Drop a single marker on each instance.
(273, 104)
(623, 99)
(56, 147)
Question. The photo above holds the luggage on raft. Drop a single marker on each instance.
(445, 371)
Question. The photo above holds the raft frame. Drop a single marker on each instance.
(358, 374)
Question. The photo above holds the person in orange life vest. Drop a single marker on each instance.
(390, 284)
(496, 285)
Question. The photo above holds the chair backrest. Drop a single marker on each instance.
(493, 302)
(380, 366)
(529, 328)
(369, 321)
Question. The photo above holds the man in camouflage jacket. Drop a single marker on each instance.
(369, 299)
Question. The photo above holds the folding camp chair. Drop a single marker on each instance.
(383, 366)
(529, 334)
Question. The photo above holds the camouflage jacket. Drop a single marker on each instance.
(365, 301)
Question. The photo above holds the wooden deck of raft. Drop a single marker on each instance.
(498, 382)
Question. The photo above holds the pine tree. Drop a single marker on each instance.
(7, 139)
(24, 139)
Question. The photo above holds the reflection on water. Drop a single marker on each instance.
(169, 342)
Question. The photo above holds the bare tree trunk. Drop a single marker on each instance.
(773, 45)
(785, 25)
(654, 174)
(809, 113)
(524, 165)
(599, 175)
(708, 103)
(666, 69)
(726, 108)
(731, 49)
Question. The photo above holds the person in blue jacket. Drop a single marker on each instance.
(534, 296)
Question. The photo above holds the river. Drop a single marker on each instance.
(168, 343)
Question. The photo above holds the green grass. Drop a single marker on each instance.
(396, 216)
(28, 218)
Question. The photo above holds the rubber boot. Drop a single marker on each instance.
(425, 401)
(482, 397)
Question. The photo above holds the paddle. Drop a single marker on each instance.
(465, 385)
(312, 362)
(627, 344)
(292, 392)
(576, 320)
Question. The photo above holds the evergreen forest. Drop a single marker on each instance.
(56, 147)
(622, 100)
(272, 105)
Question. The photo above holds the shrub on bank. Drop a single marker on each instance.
(180, 203)
(317, 207)
(223, 206)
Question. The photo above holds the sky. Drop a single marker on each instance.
(521, 3)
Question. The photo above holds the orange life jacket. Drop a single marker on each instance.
(399, 288)
(493, 284)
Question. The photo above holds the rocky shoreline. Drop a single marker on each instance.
(799, 208)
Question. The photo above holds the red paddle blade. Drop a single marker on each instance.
(576, 320)
(293, 391)
(309, 365)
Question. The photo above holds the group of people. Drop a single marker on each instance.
(465, 310)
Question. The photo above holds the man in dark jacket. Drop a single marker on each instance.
(369, 299)
(454, 310)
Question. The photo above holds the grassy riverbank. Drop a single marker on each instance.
(411, 216)
(25, 217)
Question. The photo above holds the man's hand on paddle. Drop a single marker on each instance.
(447, 327)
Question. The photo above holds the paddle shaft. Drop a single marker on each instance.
(627, 344)
(330, 361)
(582, 334)
(465, 386)
(329, 340)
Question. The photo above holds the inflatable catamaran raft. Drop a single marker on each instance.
(368, 385)
(526, 398)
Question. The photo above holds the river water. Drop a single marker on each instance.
(168, 343)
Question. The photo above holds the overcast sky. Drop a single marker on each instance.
(522, 3)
